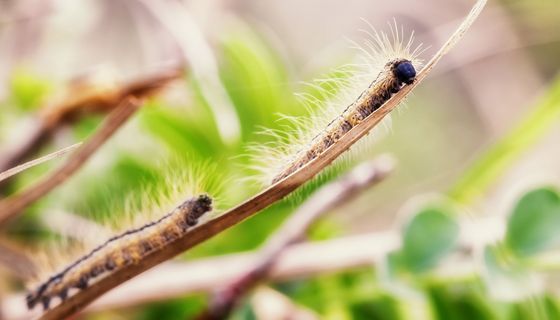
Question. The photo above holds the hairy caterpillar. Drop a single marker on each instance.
(396, 74)
(390, 60)
(119, 251)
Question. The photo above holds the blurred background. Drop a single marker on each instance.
(480, 136)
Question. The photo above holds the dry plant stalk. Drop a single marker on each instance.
(22, 167)
(294, 229)
(173, 279)
(262, 200)
(81, 102)
(12, 206)
(178, 279)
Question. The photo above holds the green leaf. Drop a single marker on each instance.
(428, 237)
(534, 223)
(255, 80)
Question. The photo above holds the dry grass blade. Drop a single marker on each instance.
(13, 205)
(179, 279)
(262, 200)
(22, 167)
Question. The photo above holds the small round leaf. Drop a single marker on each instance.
(428, 237)
(534, 224)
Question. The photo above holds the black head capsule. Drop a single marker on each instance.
(404, 71)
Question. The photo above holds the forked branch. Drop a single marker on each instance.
(81, 102)
(294, 229)
(15, 204)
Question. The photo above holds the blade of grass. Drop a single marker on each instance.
(22, 167)
(503, 154)
(14, 205)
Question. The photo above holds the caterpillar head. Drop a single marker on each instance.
(404, 71)
(204, 202)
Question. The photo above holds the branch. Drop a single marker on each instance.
(294, 229)
(81, 102)
(274, 193)
(176, 279)
(15, 204)
(173, 280)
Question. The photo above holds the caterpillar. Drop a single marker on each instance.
(396, 74)
(392, 61)
(124, 249)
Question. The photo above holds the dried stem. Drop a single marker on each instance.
(262, 200)
(53, 117)
(294, 229)
(22, 167)
(15, 204)
(177, 279)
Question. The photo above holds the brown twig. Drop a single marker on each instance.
(294, 229)
(176, 279)
(262, 200)
(82, 101)
(22, 167)
(15, 204)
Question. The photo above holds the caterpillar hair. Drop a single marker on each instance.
(392, 61)
(129, 247)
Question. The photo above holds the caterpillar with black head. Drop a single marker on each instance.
(395, 74)
(127, 248)
(390, 61)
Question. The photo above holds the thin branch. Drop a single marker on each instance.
(22, 167)
(294, 229)
(274, 193)
(81, 102)
(178, 279)
(172, 280)
(15, 204)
